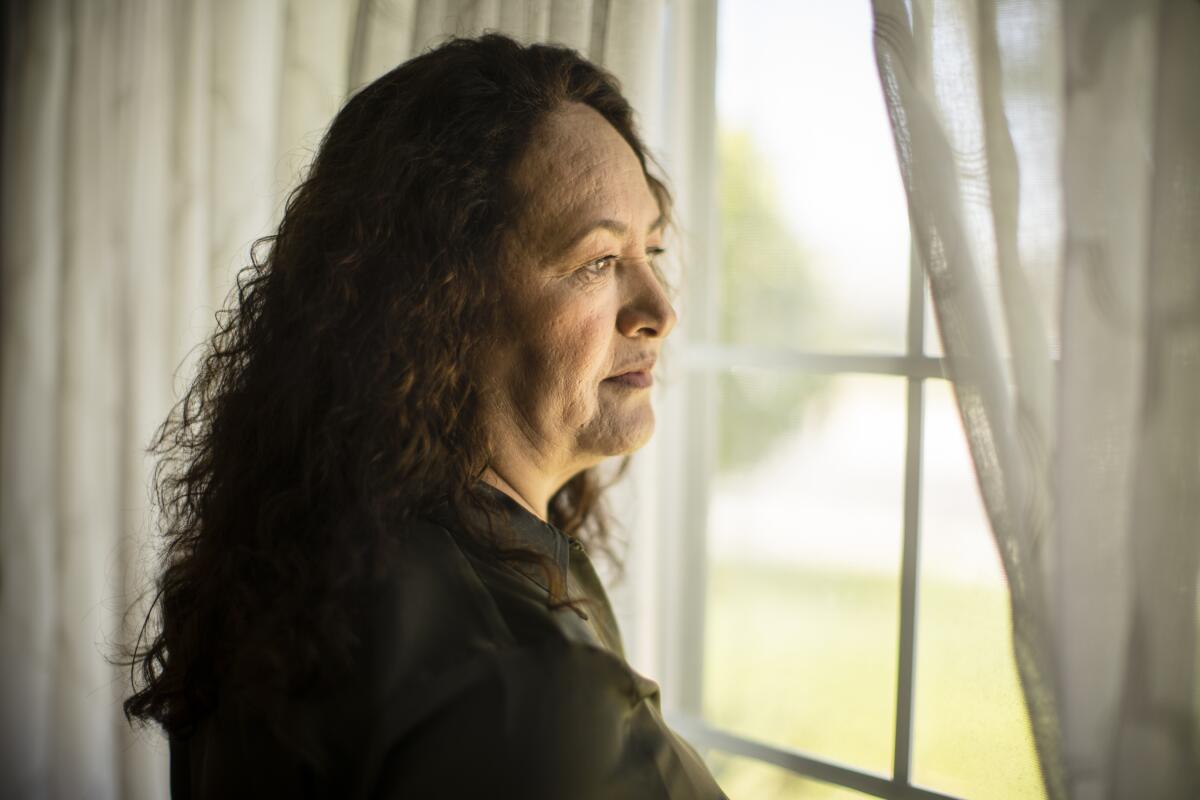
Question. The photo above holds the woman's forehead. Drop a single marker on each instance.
(577, 166)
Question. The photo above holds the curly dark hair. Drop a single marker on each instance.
(336, 398)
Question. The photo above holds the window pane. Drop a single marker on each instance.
(747, 778)
(972, 735)
(814, 242)
(805, 522)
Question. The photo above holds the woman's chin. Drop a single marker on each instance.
(624, 438)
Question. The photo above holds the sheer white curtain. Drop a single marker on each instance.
(146, 145)
(1051, 155)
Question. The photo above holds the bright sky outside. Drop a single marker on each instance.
(825, 130)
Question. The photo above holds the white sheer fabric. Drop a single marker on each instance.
(146, 145)
(1051, 155)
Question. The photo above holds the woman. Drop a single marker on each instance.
(379, 492)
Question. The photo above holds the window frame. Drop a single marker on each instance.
(687, 425)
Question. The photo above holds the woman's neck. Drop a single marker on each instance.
(534, 501)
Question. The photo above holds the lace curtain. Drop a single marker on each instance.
(146, 145)
(1051, 156)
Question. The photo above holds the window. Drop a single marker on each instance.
(833, 619)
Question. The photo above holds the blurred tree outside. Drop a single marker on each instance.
(768, 297)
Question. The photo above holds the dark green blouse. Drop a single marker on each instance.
(473, 688)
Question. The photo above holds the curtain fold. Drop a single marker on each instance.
(1051, 156)
(146, 145)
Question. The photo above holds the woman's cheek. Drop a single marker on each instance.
(584, 358)
(594, 347)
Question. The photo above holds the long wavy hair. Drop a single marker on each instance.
(337, 397)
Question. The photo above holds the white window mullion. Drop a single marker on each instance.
(687, 414)
(726, 355)
(910, 560)
(705, 735)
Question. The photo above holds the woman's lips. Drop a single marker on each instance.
(636, 380)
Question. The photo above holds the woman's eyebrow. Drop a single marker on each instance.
(615, 226)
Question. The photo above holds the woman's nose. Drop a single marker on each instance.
(647, 311)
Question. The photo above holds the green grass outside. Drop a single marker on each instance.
(807, 659)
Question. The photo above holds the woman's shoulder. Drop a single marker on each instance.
(432, 610)
(426, 630)
(441, 605)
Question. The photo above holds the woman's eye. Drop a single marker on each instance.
(594, 269)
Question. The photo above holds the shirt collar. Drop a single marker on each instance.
(515, 526)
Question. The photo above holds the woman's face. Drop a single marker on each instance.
(583, 300)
